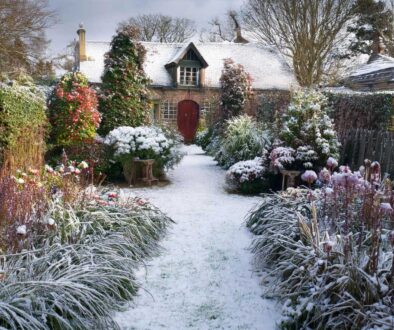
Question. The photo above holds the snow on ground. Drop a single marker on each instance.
(204, 278)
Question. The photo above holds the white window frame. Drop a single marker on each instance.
(194, 73)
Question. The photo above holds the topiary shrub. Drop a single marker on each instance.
(73, 111)
(22, 127)
(235, 88)
(124, 94)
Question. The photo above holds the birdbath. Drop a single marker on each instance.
(147, 170)
(289, 177)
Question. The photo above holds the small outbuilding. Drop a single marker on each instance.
(375, 75)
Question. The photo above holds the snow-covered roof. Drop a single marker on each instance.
(377, 63)
(266, 66)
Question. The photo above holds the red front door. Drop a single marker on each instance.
(188, 113)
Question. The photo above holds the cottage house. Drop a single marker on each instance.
(185, 76)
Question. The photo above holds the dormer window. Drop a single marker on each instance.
(187, 68)
(189, 76)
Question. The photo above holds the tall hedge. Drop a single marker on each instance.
(22, 127)
(371, 111)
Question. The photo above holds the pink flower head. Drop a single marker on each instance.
(325, 175)
(344, 169)
(332, 163)
(77, 171)
(309, 176)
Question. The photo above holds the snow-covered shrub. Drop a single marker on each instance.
(203, 138)
(282, 157)
(242, 140)
(247, 176)
(308, 129)
(144, 143)
(330, 250)
(77, 281)
(235, 87)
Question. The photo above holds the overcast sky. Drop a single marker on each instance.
(100, 17)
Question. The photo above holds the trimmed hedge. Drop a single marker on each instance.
(371, 111)
(22, 127)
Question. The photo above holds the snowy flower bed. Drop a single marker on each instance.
(330, 250)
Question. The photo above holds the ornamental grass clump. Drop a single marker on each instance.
(332, 249)
(84, 269)
(242, 139)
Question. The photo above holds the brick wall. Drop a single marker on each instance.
(166, 101)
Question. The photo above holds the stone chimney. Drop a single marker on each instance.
(378, 48)
(82, 43)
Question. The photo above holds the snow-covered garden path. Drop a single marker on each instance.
(204, 279)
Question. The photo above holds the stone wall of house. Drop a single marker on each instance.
(166, 102)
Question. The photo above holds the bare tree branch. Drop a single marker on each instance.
(306, 31)
(161, 28)
(22, 34)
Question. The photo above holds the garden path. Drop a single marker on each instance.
(203, 279)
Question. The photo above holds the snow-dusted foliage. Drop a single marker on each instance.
(235, 87)
(145, 143)
(242, 139)
(203, 138)
(84, 269)
(247, 176)
(308, 129)
(332, 250)
(282, 157)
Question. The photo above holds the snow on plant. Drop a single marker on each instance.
(140, 142)
(247, 176)
(235, 87)
(332, 250)
(308, 129)
(242, 140)
(246, 171)
(282, 157)
(73, 110)
(89, 272)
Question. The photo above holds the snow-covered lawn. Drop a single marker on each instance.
(204, 278)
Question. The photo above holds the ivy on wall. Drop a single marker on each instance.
(371, 111)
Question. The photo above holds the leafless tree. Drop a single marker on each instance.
(306, 31)
(22, 34)
(221, 29)
(162, 28)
